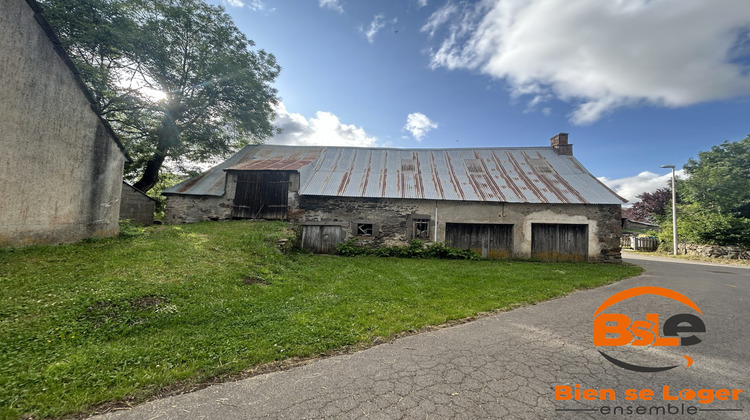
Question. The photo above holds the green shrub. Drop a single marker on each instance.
(350, 248)
(441, 250)
(415, 249)
(702, 226)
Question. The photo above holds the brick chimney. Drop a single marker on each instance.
(560, 144)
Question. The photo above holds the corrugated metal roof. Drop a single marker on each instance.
(268, 160)
(510, 175)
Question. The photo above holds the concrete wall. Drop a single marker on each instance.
(61, 170)
(136, 206)
(390, 216)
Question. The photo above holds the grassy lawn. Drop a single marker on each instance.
(126, 318)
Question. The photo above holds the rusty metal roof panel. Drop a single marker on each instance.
(272, 159)
(510, 175)
(211, 182)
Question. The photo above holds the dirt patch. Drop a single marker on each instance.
(148, 301)
(255, 280)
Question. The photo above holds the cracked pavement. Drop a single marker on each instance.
(506, 365)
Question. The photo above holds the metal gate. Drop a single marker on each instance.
(322, 239)
(487, 240)
(261, 195)
(559, 242)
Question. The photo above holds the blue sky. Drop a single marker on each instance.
(636, 83)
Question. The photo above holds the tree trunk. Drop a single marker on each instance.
(168, 136)
(151, 173)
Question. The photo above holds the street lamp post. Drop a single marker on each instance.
(674, 212)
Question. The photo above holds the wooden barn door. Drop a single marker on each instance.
(487, 240)
(559, 242)
(261, 195)
(322, 239)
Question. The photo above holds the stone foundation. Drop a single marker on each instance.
(389, 220)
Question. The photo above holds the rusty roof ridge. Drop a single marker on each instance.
(402, 149)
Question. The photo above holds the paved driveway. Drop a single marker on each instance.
(505, 366)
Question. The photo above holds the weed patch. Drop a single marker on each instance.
(415, 249)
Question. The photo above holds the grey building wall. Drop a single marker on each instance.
(389, 218)
(60, 166)
(136, 206)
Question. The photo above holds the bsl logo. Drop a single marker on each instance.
(612, 329)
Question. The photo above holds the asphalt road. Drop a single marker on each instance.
(507, 365)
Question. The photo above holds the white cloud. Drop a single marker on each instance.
(632, 186)
(421, 3)
(419, 125)
(439, 17)
(324, 129)
(601, 55)
(376, 25)
(253, 4)
(331, 4)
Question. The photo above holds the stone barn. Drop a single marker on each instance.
(60, 164)
(501, 202)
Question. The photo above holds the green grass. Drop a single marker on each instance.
(129, 317)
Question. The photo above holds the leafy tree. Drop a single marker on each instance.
(720, 179)
(715, 206)
(703, 225)
(98, 35)
(166, 180)
(176, 78)
(651, 207)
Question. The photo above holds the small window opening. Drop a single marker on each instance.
(364, 229)
(421, 229)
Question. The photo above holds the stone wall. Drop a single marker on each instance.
(389, 216)
(714, 251)
(198, 208)
(136, 206)
(389, 219)
(60, 166)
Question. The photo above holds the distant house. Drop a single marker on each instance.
(635, 227)
(502, 202)
(136, 206)
(632, 232)
(60, 164)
